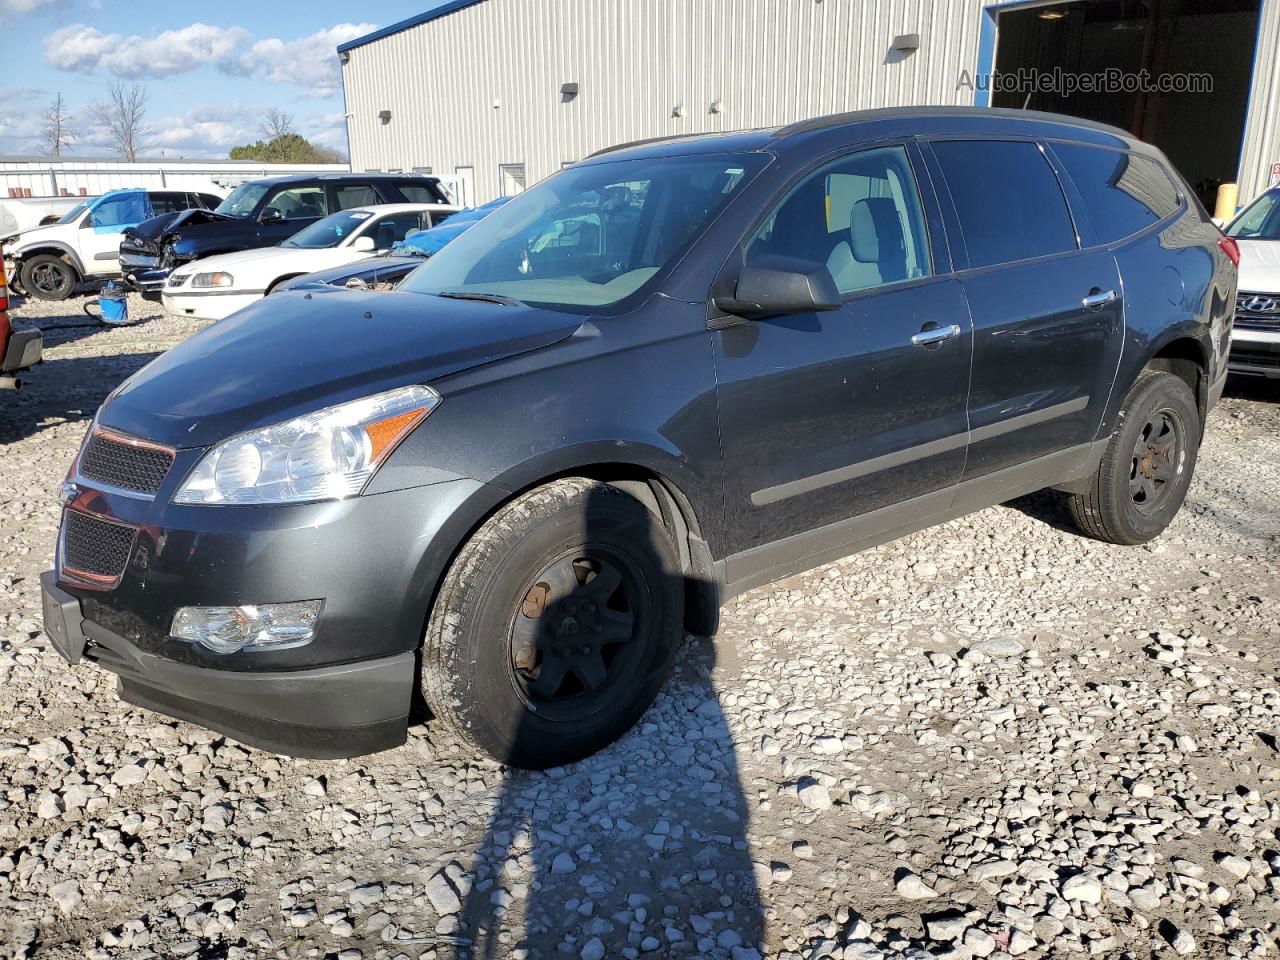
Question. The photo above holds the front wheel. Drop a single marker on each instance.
(48, 277)
(1146, 469)
(556, 625)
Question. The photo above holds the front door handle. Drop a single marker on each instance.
(927, 338)
(1098, 298)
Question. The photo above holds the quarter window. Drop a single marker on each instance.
(1008, 200)
(1124, 193)
(859, 216)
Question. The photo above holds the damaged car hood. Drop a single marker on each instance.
(158, 228)
(291, 354)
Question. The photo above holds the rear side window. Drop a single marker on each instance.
(1124, 193)
(1008, 200)
(355, 195)
(417, 193)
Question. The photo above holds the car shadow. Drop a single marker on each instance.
(1260, 389)
(46, 399)
(642, 845)
(1047, 506)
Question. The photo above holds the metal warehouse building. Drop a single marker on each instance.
(500, 93)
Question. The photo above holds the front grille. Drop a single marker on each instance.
(1258, 310)
(125, 463)
(94, 548)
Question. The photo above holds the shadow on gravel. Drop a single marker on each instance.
(64, 390)
(1259, 389)
(1047, 506)
(642, 845)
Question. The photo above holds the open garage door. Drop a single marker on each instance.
(1176, 44)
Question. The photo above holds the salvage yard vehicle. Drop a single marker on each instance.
(1255, 339)
(383, 273)
(672, 372)
(216, 287)
(51, 261)
(260, 213)
(19, 349)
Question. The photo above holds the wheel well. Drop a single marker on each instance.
(48, 251)
(1184, 358)
(669, 504)
(279, 280)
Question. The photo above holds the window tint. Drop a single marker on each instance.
(298, 203)
(417, 193)
(169, 202)
(207, 200)
(355, 195)
(1007, 198)
(860, 217)
(390, 230)
(1124, 193)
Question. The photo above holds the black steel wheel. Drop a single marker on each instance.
(556, 625)
(48, 277)
(1143, 475)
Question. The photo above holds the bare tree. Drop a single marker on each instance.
(122, 115)
(276, 123)
(57, 126)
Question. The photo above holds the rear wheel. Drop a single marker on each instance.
(48, 277)
(1144, 474)
(556, 625)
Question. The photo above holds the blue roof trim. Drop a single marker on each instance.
(439, 9)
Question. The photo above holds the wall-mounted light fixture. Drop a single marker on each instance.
(1052, 15)
(677, 111)
(715, 107)
(906, 43)
(497, 104)
(384, 116)
(344, 56)
(568, 91)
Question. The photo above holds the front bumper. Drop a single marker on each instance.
(342, 710)
(144, 274)
(208, 306)
(1255, 352)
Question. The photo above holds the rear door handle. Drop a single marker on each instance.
(1098, 298)
(934, 335)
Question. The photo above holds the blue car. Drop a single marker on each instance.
(386, 272)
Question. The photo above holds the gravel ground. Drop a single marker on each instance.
(994, 738)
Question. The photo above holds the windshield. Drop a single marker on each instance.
(330, 231)
(72, 215)
(1260, 220)
(590, 235)
(242, 201)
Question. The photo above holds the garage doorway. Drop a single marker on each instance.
(1182, 41)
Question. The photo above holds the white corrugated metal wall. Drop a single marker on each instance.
(480, 87)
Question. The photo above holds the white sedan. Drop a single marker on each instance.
(216, 287)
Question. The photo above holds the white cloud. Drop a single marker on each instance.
(309, 62)
(19, 7)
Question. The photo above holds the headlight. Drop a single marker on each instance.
(219, 279)
(326, 455)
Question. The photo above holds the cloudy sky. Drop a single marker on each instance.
(210, 69)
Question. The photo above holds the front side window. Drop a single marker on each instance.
(113, 212)
(296, 203)
(1260, 220)
(242, 201)
(590, 235)
(1008, 200)
(1124, 193)
(330, 231)
(860, 217)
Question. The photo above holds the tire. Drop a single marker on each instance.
(1147, 467)
(556, 625)
(47, 276)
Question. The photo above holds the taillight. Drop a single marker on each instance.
(4, 289)
(1231, 249)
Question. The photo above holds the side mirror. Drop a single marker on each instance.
(364, 244)
(270, 215)
(777, 286)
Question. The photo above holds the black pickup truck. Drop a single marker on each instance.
(259, 213)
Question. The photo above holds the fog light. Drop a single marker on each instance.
(266, 626)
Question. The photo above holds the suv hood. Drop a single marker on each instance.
(52, 231)
(1260, 266)
(158, 227)
(290, 354)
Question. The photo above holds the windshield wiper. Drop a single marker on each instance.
(486, 297)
